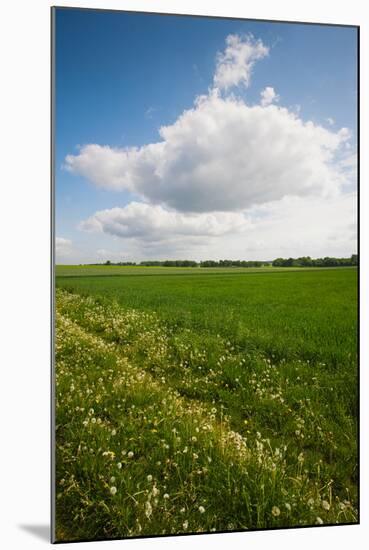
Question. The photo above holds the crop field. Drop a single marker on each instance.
(204, 400)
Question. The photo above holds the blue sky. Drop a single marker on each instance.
(121, 76)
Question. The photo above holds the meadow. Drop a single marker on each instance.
(200, 400)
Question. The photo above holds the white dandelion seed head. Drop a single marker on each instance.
(148, 509)
(325, 505)
(276, 511)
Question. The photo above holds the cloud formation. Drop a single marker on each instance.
(227, 178)
(221, 155)
(268, 96)
(154, 223)
(234, 65)
(63, 247)
(292, 226)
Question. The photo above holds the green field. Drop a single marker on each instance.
(194, 400)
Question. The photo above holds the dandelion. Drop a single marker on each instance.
(325, 505)
(112, 479)
(108, 454)
(148, 509)
(288, 506)
(114, 432)
(93, 420)
(201, 509)
(113, 490)
(166, 496)
(119, 465)
(149, 478)
(185, 525)
(319, 520)
(182, 510)
(276, 511)
(130, 454)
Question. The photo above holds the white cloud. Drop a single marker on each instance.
(268, 96)
(349, 161)
(153, 223)
(221, 155)
(293, 226)
(330, 121)
(63, 247)
(227, 179)
(235, 64)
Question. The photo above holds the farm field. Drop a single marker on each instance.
(199, 400)
(111, 270)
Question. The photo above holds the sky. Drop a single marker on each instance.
(203, 138)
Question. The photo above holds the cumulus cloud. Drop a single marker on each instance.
(268, 96)
(153, 223)
(221, 155)
(227, 179)
(234, 65)
(293, 227)
(349, 161)
(63, 247)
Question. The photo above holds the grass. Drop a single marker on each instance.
(235, 392)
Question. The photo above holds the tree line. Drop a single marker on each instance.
(190, 263)
(304, 261)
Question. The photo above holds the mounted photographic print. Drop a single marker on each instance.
(205, 361)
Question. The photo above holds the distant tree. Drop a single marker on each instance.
(306, 261)
(278, 262)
